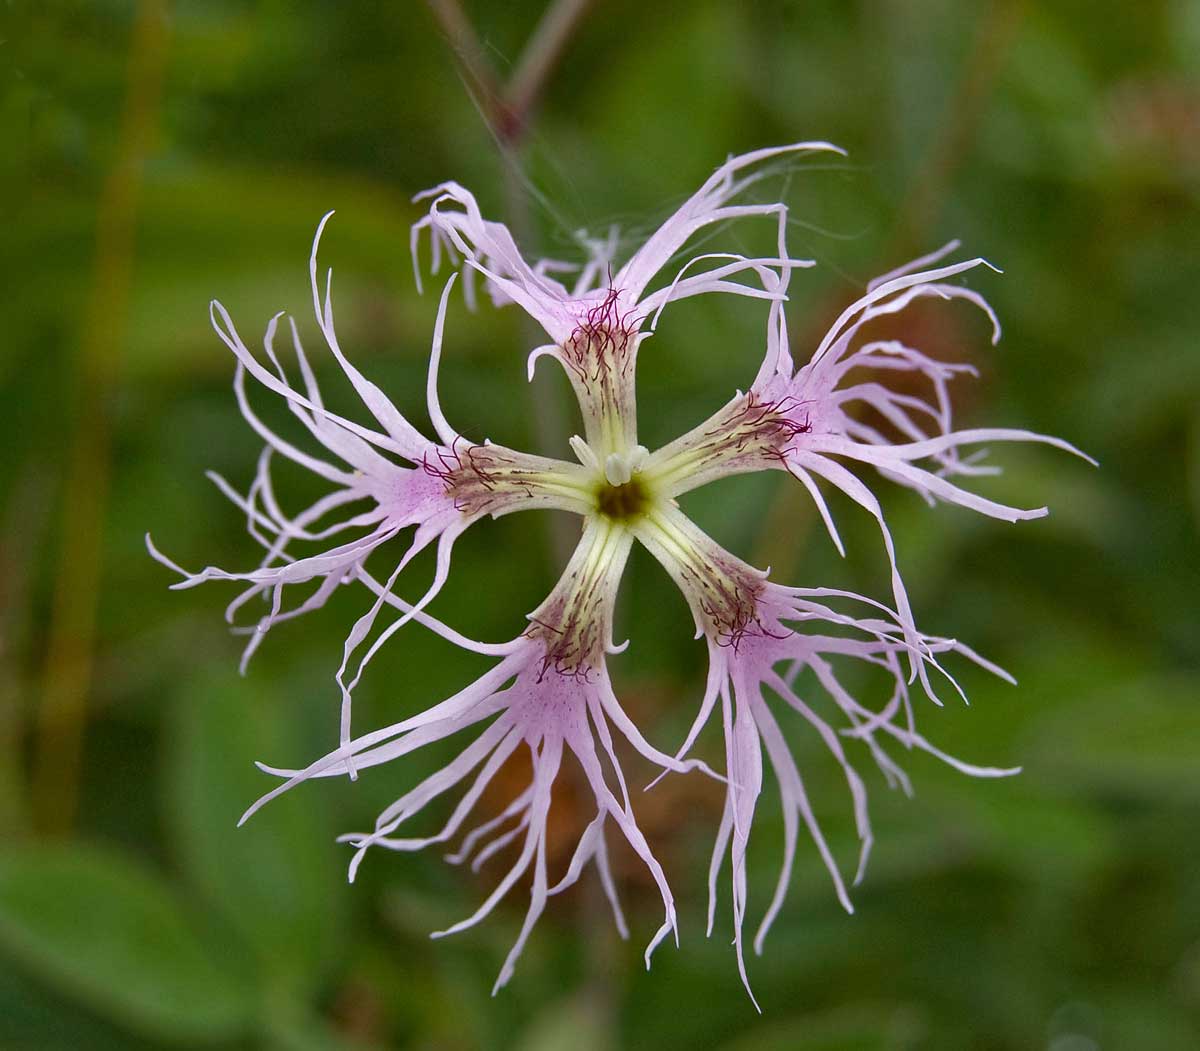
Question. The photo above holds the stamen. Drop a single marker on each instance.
(619, 468)
(583, 452)
(616, 469)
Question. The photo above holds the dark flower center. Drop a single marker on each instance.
(622, 502)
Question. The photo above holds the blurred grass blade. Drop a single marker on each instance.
(69, 655)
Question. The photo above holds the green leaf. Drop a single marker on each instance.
(278, 882)
(109, 932)
(37, 1016)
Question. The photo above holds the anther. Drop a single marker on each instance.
(619, 468)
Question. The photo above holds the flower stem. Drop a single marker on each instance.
(541, 55)
(507, 105)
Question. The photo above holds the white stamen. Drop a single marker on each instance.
(583, 452)
(616, 469)
(620, 467)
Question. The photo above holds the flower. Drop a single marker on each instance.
(549, 690)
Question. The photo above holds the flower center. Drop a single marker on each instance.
(619, 491)
(624, 502)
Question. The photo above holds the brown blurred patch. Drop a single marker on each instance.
(358, 1011)
(1154, 120)
(943, 331)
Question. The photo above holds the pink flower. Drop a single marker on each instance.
(549, 690)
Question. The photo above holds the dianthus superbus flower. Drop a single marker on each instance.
(549, 692)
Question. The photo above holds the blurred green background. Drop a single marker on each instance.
(152, 163)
